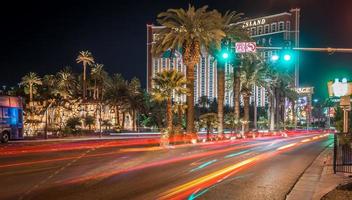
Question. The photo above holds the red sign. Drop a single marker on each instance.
(246, 47)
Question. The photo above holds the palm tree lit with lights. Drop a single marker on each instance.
(188, 31)
(166, 84)
(31, 80)
(86, 58)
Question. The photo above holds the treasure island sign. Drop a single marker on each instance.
(251, 23)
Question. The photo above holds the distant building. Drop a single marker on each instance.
(268, 31)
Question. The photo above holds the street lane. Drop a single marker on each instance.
(145, 174)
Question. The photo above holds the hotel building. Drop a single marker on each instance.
(270, 31)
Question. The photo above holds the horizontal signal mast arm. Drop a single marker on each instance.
(328, 49)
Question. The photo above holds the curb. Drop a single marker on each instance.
(315, 182)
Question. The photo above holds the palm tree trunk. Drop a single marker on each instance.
(246, 112)
(30, 94)
(84, 81)
(277, 110)
(117, 113)
(95, 89)
(208, 134)
(294, 119)
(221, 92)
(179, 117)
(190, 98)
(134, 120)
(236, 94)
(169, 114)
(123, 120)
(272, 112)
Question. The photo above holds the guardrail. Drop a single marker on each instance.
(342, 153)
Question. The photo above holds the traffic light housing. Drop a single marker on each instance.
(284, 57)
(225, 54)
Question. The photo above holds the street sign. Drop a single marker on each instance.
(246, 47)
(345, 101)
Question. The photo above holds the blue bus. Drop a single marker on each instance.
(11, 118)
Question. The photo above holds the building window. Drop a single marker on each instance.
(288, 25)
(281, 26)
(273, 27)
(253, 31)
(163, 62)
(155, 37)
(266, 29)
(260, 30)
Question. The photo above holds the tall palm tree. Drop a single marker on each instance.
(86, 58)
(252, 73)
(31, 80)
(135, 100)
(97, 74)
(188, 31)
(166, 84)
(234, 32)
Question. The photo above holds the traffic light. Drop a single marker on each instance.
(284, 57)
(274, 58)
(225, 55)
(225, 52)
(287, 57)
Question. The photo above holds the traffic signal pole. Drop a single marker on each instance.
(327, 50)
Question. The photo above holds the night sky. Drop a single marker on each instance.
(44, 36)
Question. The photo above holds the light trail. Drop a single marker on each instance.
(159, 163)
(186, 189)
(69, 146)
(237, 154)
(286, 146)
(204, 165)
(57, 159)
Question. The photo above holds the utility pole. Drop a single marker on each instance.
(255, 107)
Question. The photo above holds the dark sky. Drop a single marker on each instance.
(44, 36)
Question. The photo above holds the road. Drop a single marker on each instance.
(260, 168)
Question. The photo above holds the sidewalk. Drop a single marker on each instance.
(318, 179)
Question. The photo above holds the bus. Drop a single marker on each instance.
(11, 118)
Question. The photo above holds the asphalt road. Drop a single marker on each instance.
(261, 168)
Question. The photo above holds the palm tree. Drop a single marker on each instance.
(31, 80)
(179, 109)
(66, 83)
(86, 58)
(208, 121)
(234, 32)
(89, 121)
(166, 84)
(97, 74)
(135, 100)
(116, 94)
(252, 73)
(188, 31)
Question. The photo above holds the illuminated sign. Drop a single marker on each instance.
(305, 90)
(253, 23)
(246, 47)
(339, 89)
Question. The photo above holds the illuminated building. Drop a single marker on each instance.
(268, 31)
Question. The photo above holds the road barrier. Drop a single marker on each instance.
(343, 153)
